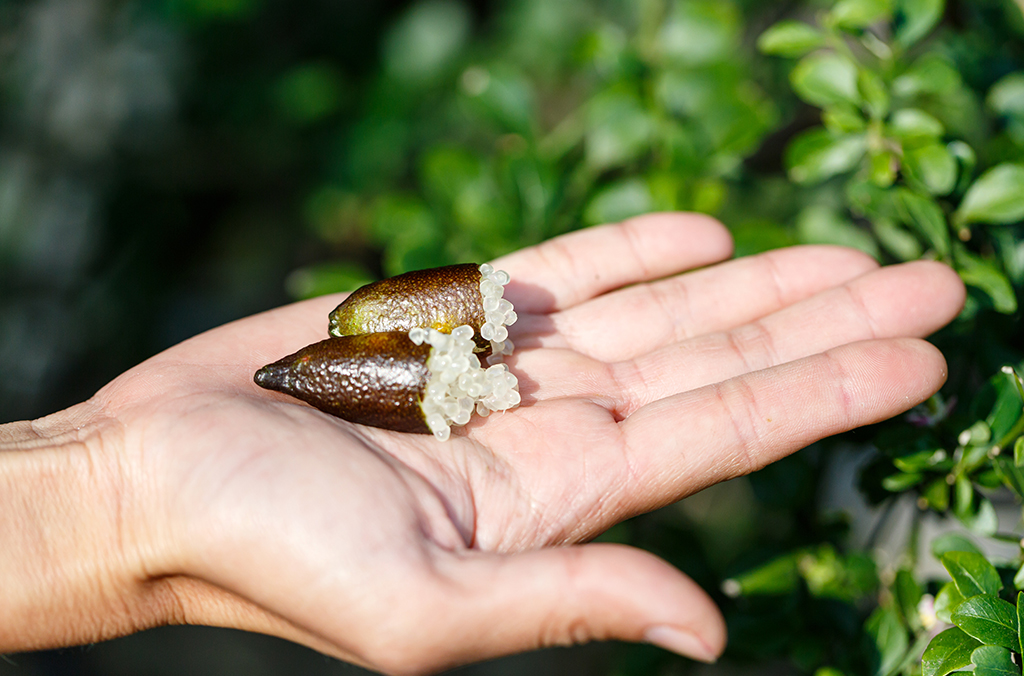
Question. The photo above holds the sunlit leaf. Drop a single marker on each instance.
(911, 124)
(778, 576)
(843, 119)
(790, 38)
(972, 573)
(896, 240)
(933, 166)
(873, 92)
(946, 601)
(817, 155)
(993, 660)
(425, 41)
(859, 13)
(700, 31)
(916, 18)
(983, 274)
(947, 652)
(908, 596)
(989, 619)
(1006, 96)
(890, 638)
(930, 74)
(618, 202)
(925, 216)
(996, 197)
(823, 225)
(824, 79)
(952, 542)
(619, 129)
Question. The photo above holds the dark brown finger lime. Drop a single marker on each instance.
(375, 379)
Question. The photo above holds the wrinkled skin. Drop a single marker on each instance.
(642, 382)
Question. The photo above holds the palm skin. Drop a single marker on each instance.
(641, 383)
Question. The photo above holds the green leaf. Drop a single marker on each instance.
(619, 129)
(828, 671)
(952, 542)
(933, 166)
(899, 482)
(936, 494)
(890, 638)
(913, 124)
(931, 74)
(1018, 452)
(967, 158)
(989, 619)
(896, 240)
(915, 18)
(790, 39)
(817, 155)
(925, 216)
(983, 274)
(884, 166)
(619, 201)
(1007, 409)
(1020, 617)
(778, 576)
(700, 32)
(981, 518)
(996, 197)
(946, 601)
(874, 93)
(854, 14)
(843, 119)
(1018, 583)
(830, 575)
(825, 79)
(947, 652)
(426, 41)
(917, 461)
(972, 573)
(990, 660)
(503, 95)
(1007, 95)
(1010, 474)
(908, 595)
(819, 224)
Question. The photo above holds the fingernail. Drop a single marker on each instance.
(680, 642)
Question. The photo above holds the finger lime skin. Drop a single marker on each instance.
(439, 298)
(375, 379)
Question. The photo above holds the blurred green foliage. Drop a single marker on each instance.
(332, 145)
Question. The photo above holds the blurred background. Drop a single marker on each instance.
(170, 165)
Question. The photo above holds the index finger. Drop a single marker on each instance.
(572, 268)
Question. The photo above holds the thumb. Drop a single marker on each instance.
(499, 604)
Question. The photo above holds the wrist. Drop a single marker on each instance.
(69, 572)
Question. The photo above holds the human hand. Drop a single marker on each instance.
(218, 503)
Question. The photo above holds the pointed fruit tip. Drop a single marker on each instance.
(272, 377)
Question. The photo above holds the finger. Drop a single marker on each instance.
(683, 443)
(647, 316)
(913, 300)
(573, 268)
(492, 605)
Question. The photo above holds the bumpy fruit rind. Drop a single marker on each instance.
(439, 298)
(374, 379)
(423, 381)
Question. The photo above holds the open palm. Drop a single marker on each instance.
(640, 384)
